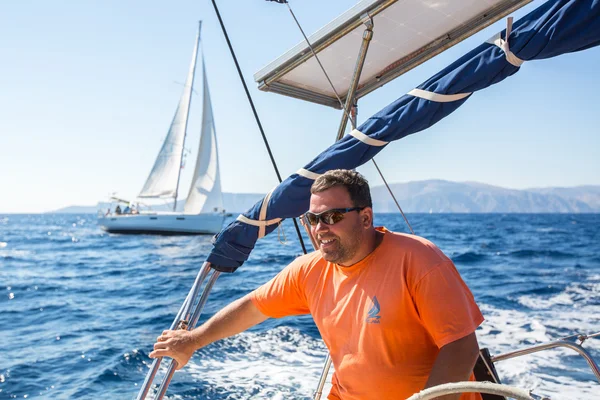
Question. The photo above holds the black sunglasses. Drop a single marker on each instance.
(329, 217)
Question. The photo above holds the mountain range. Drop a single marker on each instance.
(439, 196)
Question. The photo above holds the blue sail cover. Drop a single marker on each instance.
(557, 27)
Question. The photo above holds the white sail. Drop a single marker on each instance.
(164, 176)
(205, 192)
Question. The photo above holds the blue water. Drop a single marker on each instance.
(80, 309)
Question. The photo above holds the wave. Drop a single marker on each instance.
(577, 294)
(15, 255)
(469, 258)
(540, 253)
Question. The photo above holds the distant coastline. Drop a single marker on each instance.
(440, 196)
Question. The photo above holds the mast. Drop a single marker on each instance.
(188, 114)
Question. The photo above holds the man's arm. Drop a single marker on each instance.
(233, 319)
(454, 363)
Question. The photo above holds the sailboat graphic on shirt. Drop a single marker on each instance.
(373, 315)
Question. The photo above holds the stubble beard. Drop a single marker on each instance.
(345, 250)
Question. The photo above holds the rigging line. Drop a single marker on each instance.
(337, 96)
(394, 197)
(262, 132)
(350, 119)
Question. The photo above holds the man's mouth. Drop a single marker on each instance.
(326, 242)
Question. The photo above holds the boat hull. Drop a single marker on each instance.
(163, 224)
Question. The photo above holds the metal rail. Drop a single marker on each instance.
(567, 342)
(172, 367)
(186, 318)
(324, 374)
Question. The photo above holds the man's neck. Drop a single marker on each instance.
(372, 240)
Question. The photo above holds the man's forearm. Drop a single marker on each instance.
(233, 319)
(454, 363)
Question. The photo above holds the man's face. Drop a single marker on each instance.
(339, 242)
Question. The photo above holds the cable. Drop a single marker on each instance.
(262, 132)
(352, 124)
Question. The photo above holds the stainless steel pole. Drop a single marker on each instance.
(183, 310)
(360, 62)
(323, 378)
(197, 311)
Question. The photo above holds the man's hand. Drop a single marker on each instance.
(179, 345)
(233, 319)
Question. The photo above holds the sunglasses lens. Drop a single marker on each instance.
(328, 217)
(312, 219)
(332, 217)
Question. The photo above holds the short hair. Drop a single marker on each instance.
(356, 185)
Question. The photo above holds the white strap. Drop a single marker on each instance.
(367, 140)
(253, 222)
(439, 98)
(308, 174)
(261, 222)
(263, 213)
(503, 44)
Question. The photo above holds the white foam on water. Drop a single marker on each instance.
(577, 294)
(538, 303)
(279, 364)
(551, 229)
(14, 253)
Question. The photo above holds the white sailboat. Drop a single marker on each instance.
(203, 211)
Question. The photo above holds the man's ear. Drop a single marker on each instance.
(367, 217)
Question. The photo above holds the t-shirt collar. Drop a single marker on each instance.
(359, 265)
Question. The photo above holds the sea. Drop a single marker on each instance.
(80, 309)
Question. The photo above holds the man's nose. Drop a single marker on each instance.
(321, 227)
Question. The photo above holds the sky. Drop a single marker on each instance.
(89, 89)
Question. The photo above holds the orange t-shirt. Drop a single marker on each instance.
(382, 319)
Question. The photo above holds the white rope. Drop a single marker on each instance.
(367, 140)
(254, 222)
(437, 97)
(503, 44)
(471, 387)
(308, 174)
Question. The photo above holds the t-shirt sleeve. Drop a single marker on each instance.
(283, 295)
(446, 305)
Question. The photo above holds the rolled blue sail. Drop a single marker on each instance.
(556, 27)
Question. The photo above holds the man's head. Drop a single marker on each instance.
(355, 184)
(341, 216)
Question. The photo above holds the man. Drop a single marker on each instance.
(391, 308)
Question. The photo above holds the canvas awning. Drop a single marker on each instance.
(406, 33)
